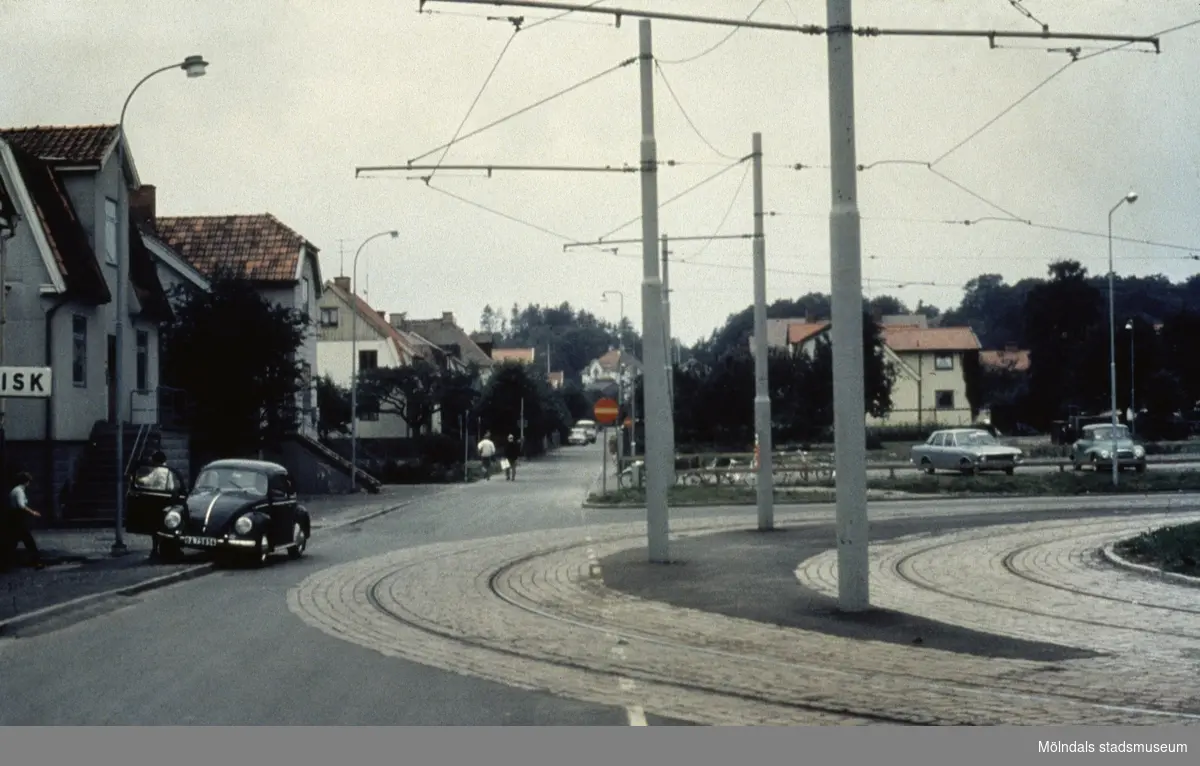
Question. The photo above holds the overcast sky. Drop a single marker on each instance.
(300, 93)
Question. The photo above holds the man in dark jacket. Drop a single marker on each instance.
(512, 451)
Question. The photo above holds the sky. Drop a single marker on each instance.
(300, 93)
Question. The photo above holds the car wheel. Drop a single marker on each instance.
(1009, 471)
(1141, 468)
(927, 465)
(262, 551)
(967, 468)
(297, 550)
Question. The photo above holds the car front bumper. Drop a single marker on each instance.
(1124, 461)
(208, 542)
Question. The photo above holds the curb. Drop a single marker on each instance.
(1112, 557)
(45, 614)
(939, 497)
(385, 511)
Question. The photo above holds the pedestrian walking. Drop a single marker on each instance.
(512, 451)
(487, 450)
(16, 523)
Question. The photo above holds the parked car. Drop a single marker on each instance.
(1095, 444)
(246, 508)
(579, 436)
(967, 450)
(589, 427)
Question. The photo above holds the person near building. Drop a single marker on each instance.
(17, 519)
(487, 451)
(512, 451)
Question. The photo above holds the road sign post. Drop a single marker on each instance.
(605, 412)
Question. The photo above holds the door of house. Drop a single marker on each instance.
(112, 378)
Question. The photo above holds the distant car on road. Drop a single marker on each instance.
(578, 436)
(966, 450)
(589, 427)
(247, 508)
(1094, 447)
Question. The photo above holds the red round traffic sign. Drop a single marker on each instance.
(606, 411)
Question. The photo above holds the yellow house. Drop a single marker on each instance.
(930, 386)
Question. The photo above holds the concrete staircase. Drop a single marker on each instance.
(330, 458)
(93, 494)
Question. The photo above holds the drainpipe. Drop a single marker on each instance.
(49, 408)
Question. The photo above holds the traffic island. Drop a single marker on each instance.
(922, 486)
(1173, 551)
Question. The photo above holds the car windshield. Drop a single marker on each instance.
(976, 439)
(231, 480)
(1108, 433)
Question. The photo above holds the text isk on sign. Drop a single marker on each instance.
(25, 382)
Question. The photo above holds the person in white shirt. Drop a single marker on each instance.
(487, 451)
(17, 522)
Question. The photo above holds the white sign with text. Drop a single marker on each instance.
(25, 382)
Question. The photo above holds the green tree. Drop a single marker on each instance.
(416, 393)
(234, 353)
(333, 404)
(499, 409)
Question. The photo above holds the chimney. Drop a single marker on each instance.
(448, 317)
(808, 316)
(141, 205)
(396, 320)
(382, 314)
(342, 283)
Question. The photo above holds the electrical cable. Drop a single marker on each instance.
(686, 116)
(974, 194)
(559, 16)
(1122, 46)
(686, 191)
(729, 210)
(1027, 14)
(478, 96)
(719, 43)
(528, 108)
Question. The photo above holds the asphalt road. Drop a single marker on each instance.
(225, 650)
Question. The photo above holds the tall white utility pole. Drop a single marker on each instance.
(669, 365)
(845, 249)
(660, 465)
(762, 393)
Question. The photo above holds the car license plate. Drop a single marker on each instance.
(205, 542)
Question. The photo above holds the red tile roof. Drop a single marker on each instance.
(63, 143)
(902, 338)
(255, 247)
(798, 332)
(1005, 360)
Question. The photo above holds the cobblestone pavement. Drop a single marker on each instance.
(544, 620)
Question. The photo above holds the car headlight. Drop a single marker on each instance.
(1139, 451)
(243, 525)
(1104, 454)
(173, 519)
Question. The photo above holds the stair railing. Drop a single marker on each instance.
(139, 446)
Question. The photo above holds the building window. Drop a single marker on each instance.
(329, 317)
(943, 361)
(110, 231)
(369, 415)
(944, 400)
(79, 350)
(143, 360)
(368, 360)
(304, 293)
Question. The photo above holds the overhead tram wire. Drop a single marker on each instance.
(683, 193)
(719, 43)
(728, 211)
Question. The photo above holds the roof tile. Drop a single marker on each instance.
(63, 143)
(255, 247)
(901, 338)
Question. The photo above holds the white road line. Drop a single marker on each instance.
(637, 716)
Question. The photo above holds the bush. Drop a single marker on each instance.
(1172, 549)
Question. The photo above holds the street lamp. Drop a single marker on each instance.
(1130, 198)
(354, 358)
(620, 366)
(1132, 372)
(194, 66)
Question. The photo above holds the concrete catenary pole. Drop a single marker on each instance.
(660, 468)
(762, 393)
(845, 250)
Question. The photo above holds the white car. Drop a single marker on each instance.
(589, 428)
(578, 436)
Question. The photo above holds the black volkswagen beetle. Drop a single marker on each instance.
(247, 508)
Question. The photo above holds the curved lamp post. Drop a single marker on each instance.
(1129, 198)
(195, 66)
(354, 358)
